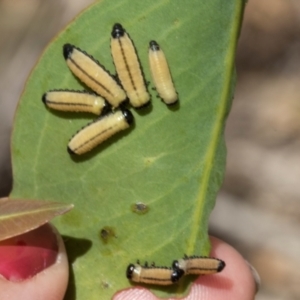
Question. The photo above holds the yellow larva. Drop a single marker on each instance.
(153, 275)
(77, 101)
(128, 67)
(93, 75)
(98, 131)
(161, 74)
(199, 265)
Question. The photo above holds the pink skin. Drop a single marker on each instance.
(24, 256)
(51, 271)
(35, 266)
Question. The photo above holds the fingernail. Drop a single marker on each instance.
(25, 255)
(255, 276)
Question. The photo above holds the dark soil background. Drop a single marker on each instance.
(258, 208)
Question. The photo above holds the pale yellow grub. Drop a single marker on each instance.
(74, 101)
(153, 275)
(199, 265)
(93, 75)
(98, 131)
(128, 67)
(161, 74)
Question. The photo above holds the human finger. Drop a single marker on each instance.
(33, 266)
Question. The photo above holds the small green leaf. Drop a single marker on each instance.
(172, 161)
(22, 215)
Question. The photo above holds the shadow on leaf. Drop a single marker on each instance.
(75, 248)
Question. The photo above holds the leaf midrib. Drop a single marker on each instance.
(211, 150)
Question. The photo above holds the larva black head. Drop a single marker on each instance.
(44, 98)
(106, 109)
(67, 50)
(175, 264)
(128, 116)
(176, 275)
(129, 271)
(221, 266)
(154, 46)
(118, 31)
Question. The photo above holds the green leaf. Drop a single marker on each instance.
(172, 160)
(22, 215)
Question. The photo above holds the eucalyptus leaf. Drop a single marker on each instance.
(171, 162)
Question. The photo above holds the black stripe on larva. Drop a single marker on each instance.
(67, 50)
(88, 124)
(106, 108)
(91, 139)
(68, 90)
(175, 275)
(154, 46)
(220, 267)
(118, 31)
(93, 59)
(68, 104)
(73, 91)
(126, 113)
(88, 55)
(126, 64)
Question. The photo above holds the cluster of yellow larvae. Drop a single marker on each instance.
(194, 265)
(110, 95)
(108, 101)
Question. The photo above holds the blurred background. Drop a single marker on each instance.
(258, 209)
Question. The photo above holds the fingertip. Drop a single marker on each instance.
(234, 282)
(40, 286)
(137, 293)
